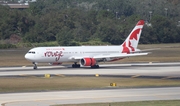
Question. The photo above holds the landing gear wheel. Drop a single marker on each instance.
(95, 66)
(75, 65)
(72, 65)
(35, 66)
(78, 66)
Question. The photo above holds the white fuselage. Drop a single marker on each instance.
(63, 54)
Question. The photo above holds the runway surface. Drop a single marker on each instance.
(165, 70)
(89, 96)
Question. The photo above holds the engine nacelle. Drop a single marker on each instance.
(56, 63)
(88, 62)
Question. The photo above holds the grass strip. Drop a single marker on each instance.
(28, 84)
(141, 103)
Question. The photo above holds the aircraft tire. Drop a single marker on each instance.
(35, 67)
(95, 66)
(76, 66)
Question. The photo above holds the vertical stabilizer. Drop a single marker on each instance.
(131, 42)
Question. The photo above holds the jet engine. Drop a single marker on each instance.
(88, 62)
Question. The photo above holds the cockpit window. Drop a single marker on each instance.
(32, 52)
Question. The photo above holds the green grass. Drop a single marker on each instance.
(32, 83)
(142, 103)
(13, 57)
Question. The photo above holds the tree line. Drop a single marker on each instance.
(72, 22)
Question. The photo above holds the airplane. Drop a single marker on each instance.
(88, 55)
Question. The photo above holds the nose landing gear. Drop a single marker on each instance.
(35, 66)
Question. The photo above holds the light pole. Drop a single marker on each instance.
(166, 10)
(116, 14)
(150, 15)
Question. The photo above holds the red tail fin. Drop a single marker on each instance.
(131, 42)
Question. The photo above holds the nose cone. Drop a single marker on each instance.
(29, 57)
(26, 56)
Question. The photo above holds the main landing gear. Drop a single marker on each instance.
(95, 66)
(35, 65)
(75, 65)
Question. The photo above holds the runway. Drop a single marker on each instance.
(165, 70)
(89, 96)
(169, 70)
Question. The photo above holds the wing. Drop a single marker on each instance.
(145, 50)
(123, 55)
(118, 55)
